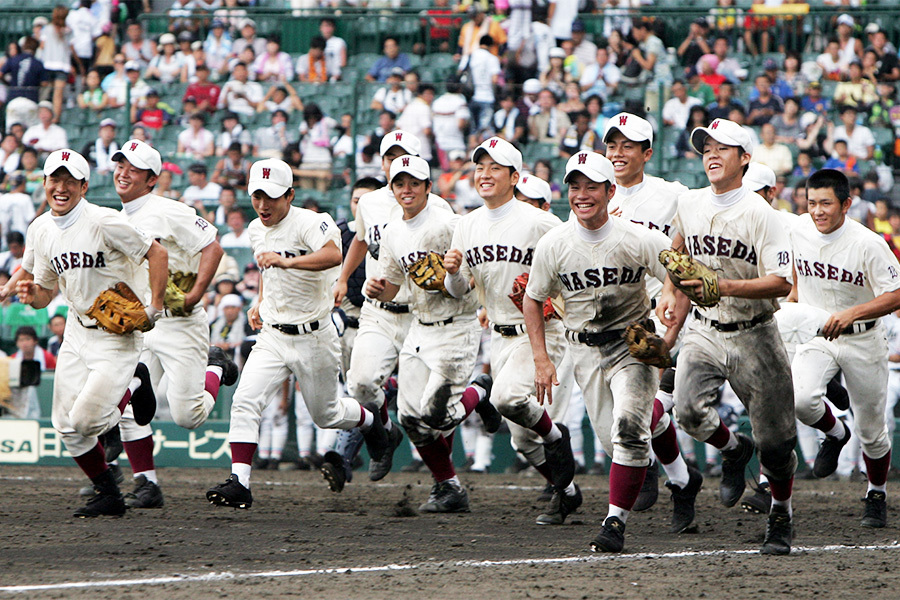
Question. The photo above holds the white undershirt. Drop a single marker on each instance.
(594, 236)
(67, 220)
(728, 198)
(834, 235)
(621, 190)
(418, 220)
(495, 214)
(135, 205)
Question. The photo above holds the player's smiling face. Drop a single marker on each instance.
(627, 158)
(826, 210)
(271, 211)
(589, 200)
(131, 182)
(63, 191)
(724, 165)
(494, 182)
(411, 194)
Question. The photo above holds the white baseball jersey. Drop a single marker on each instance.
(86, 251)
(295, 296)
(600, 273)
(375, 210)
(845, 268)
(739, 237)
(404, 242)
(498, 246)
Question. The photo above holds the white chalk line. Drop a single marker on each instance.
(475, 564)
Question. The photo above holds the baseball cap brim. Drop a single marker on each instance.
(700, 135)
(138, 161)
(270, 188)
(74, 163)
(498, 158)
(407, 142)
(629, 133)
(592, 174)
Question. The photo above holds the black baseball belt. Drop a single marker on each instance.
(735, 326)
(393, 307)
(446, 321)
(288, 329)
(858, 327)
(598, 338)
(509, 330)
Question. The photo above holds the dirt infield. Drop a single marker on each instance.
(299, 538)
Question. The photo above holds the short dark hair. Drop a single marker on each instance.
(830, 179)
(328, 20)
(317, 42)
(367, 183)
(198, 168)
(425, 88)
(228, 188)
(27, 331)
(846, 108)
(15, 237)
(57, 316)
(486, 40)
(388, 112)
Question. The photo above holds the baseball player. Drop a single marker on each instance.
(298, 251)
(492, 247)
(179, 344)
(598, 262)
(741, 239)
(441, 346)
(85, 249)
(650, 201)
(382, 325)
(846, 269)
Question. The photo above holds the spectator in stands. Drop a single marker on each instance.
(543, 170)
(450, 119)
(30, 168)
(851, 48)
(817, 136)
(139, 132)
(792, 75)
(572, 102)
(813, 101)
(841, 159)
(780, 87)
(787, 124)
(728, 65)
(457, 185)
(856, 91)
(115, 82)
(579, 136)
(99, 152)
(231, 14)
(45, 137)
(774, 155)
(139, 87)
(93, 97)
(584, 50)
(880, 112)
(392, 58)
(237, 236)
(233, 168)
(509, 122)
(860, 141)
(217, 46)
(649, 52)
(164, 182)
(196, 141)
(185, 39)
(677, 108)
(888, 64)
(138, 48)
(416, 118)
(697, 117)
(706, 67)
(10, 154)
(227, 331)
(58, 56)
(58, 329)
(85, 27)
(600, 78)
(830, 61)
(167, 66)
(16, 207)
(248, 38)
(313, 66)
(273, 65)
(232, 132)
(281, 97)
(201, 192)
(24, 401)
(368, 162)
(484, 69)
(269, 142)
(154, 114)
(696, 44)
(804, 166)
(315, 147)
(479, 25)
(528, 103)
(554, 77)
(387, 121)
(227, 203)
(393, 97)
(239, 94)
(758, 27)
(697, 88)
(766, 105)
(335, 47)
(204, 92)
(561, 15)
(550, 124)
(11, 260)
(725, 103)
(23, 73)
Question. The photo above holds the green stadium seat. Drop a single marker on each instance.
(20, 315)
(244, 256)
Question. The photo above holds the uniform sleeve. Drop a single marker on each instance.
(543, 281)
(321, 230)
(390, 268)
(192, 233)
(459, 244)
(882, 268)
(256, 237)
(655, 242)
(44, 275)
(125, 237)
(775, 247)
(360, 223)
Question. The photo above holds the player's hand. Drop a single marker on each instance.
(452, 261)
(665, 309)
(837, 323)
(271, 259)
(253, 318)
(6, 291)
(340, 290)
(25, 290)
(544, 380)
(616, 212)
(483, 318)
(375, 287)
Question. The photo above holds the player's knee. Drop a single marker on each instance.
(418, 434)
(368, 391)
(325, 418)
(777, 457)
(88, 425)
(690, 416)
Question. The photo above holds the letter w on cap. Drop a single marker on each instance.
(398, 137)
(133, 146)
(266, 172)
(405, 161)
(492, 143)
(65, 156)
(623, 120)
(715, 124)
(582, 158)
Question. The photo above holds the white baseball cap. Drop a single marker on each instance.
(723, 131)
(70, 160)
(501, 151)
(557, 53)
(406, 140)
(759, 176)
(141, 155)
(592, 165)
(167, 38)
(413, 165)
(846, 19)
(534, 188)
(231, 300)
(132, 65)
(631, 126)
(109, 123)
(532, 86)
(272, 176)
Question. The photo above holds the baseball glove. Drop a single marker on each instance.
(646, 346)
(179, 283)
(119, 310)
(682, 267)
(428, 273)
(518, 293)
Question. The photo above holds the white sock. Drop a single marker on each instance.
(479, 390)
(217, 371)
(732, 442)
(763, 480)
(784, 504)
(242, 470)
(115, 462)
(677, 472)
(554, 434)
(876, 488)
(570, 491)
(134, 385)
(453, 480)
(388, 425)
(150, 475)
(368, 419)
(666, 399)
(615, 511)
(837, 431)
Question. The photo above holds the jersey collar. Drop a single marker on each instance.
(135, 205)
(68, 219)
(621, 190)
(594, 236)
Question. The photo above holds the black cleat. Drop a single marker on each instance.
(446, 497)
(414, 466)
(650, 490)
(611, 538)
(547, 493)
(143, 400)
(334, 470)
(734, 463)
(231, 493)
(112, 444)
(489, 415)
(561, 506)
(218, 358)
(779, 532)
(107, 501)
(378, 469)
(683, 500)
(376, 436)
(560, 459)
(146, 494)
(759, 502)
(876, 509)
(118, 476)
(829, 452)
